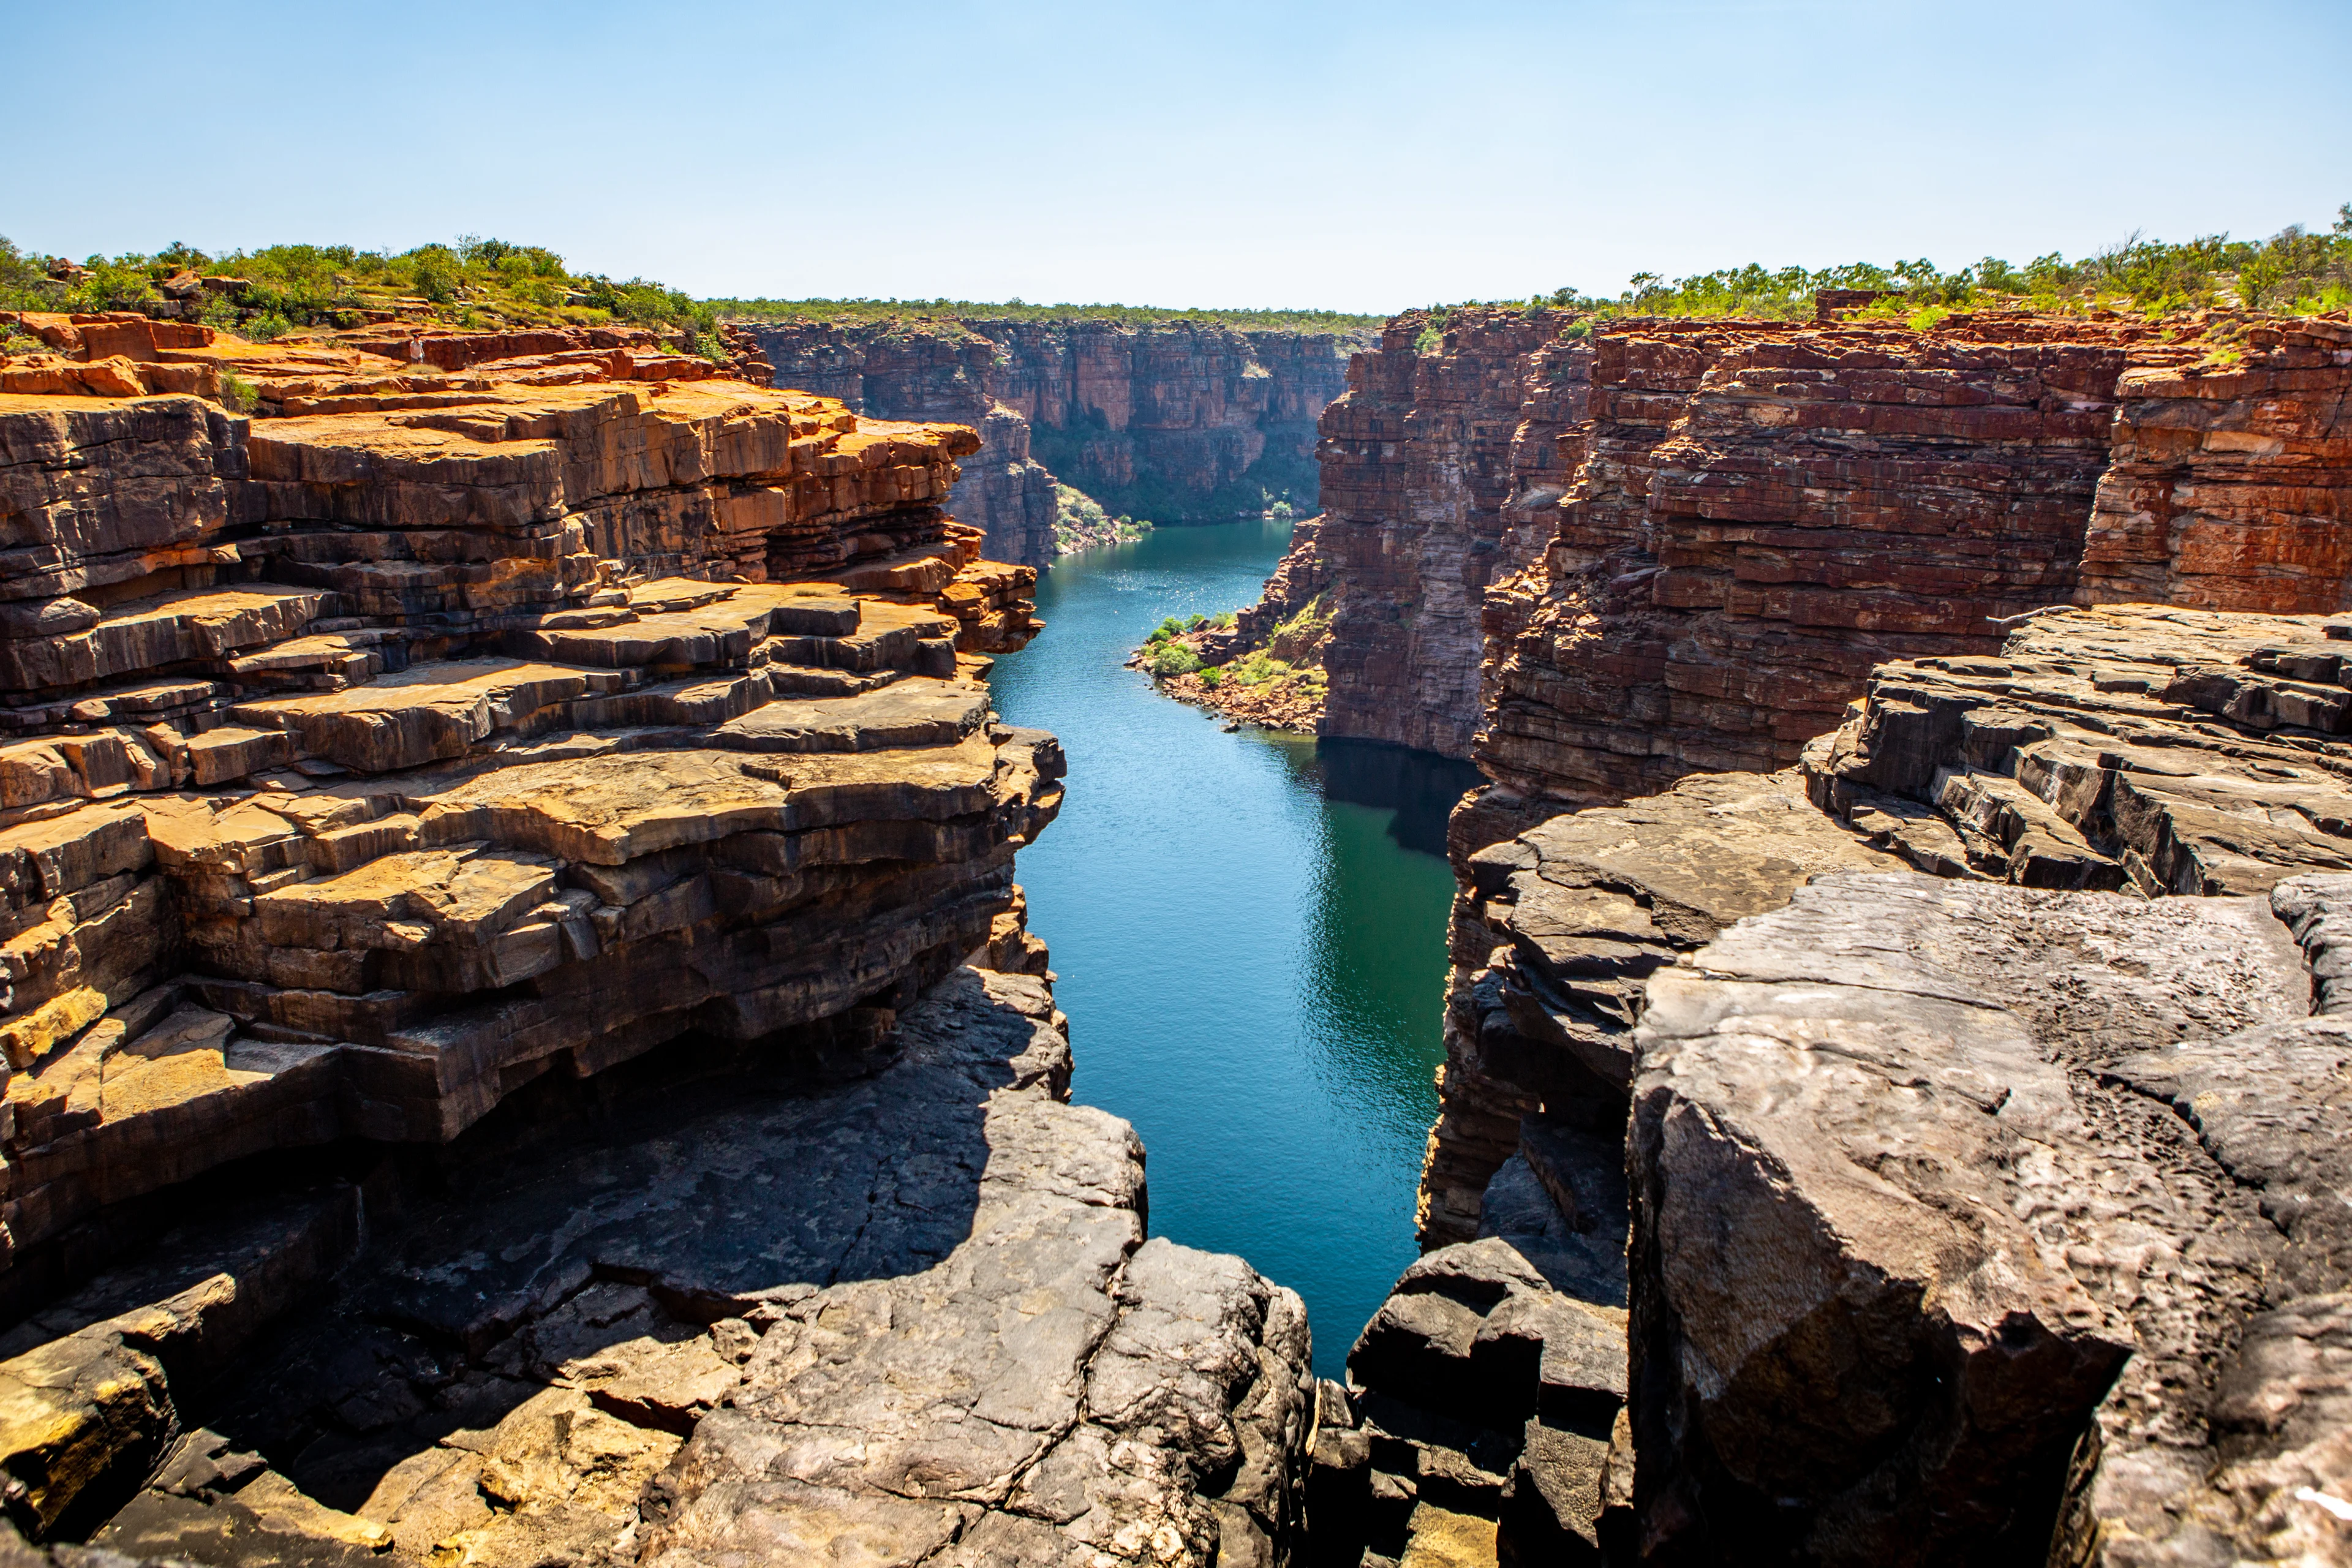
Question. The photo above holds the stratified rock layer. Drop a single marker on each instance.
(365, 763)
(1173, 421)
(2231, 487)
(1439, 468)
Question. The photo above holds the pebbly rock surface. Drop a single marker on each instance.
(913, 1318)
(1961, 1231)
(1173, 421)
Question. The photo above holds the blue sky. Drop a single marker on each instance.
(1363, 155)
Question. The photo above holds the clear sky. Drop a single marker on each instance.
(1359, 156)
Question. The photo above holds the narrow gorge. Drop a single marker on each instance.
(1785, 1014)
(1170, 421)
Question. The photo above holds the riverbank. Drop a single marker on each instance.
(1274, 679)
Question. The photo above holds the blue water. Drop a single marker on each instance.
(1249, 930)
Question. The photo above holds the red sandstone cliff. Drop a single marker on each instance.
(1174, 421)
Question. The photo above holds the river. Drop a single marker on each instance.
(1249, 931)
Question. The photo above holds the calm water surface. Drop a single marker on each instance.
(1249, 930)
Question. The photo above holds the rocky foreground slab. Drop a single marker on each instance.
(911, 1319)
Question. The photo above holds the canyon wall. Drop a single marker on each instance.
(516, 1007)
(1173, 421)
(1438, 469)
(1821, 843)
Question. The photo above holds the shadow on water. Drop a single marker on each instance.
(1249, 929)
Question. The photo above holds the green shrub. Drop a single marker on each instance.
(267, 328)
(1211, 677)
(1173, 658)
(238, 393)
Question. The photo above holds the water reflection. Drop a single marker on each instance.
(1250, 932)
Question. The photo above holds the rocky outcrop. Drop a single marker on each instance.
(521, 1044)
(929, 369)
(2168, 750)
(1959, 1235)
(1173, 421)
(1477, 1422)
(1764, 513)
(913, 1317)
(2231, 487)
(1554, 938)
(1985, 1215)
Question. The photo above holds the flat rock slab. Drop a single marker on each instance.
(916, 1312)
(914, 711)
(1915, 1215)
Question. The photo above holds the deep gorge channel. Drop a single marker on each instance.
(1249, 931)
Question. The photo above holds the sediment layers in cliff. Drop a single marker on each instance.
(1440, 462)
(465, 759)
(1173, 421)
(1976, 1211)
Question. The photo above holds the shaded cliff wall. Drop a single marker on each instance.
(1177, 421)
(928, 370)
(1438, 469)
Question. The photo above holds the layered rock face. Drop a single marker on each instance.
(1986, 1215)
(2230, 490)
(928, 369)
(1763, 514)
(369, 761)
(1173, 421)
(1438, 471)
(522, 1045)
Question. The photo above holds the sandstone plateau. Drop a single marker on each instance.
(520, 1041)
(1173, 421)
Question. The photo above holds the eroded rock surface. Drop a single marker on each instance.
(492, 711)
(2174, 750)
(1959, 1235)
(911, 1319)
(1477, 1421)
(1554, 938)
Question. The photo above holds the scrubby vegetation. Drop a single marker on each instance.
(1080, 522)
(2297, 271)
(268, 292)
(1016, 310)
(1281, 682)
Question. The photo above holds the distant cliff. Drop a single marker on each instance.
(1176, 421)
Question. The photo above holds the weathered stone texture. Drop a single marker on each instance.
(1765, 513)
(1438, 469)
(1557, 933)
(1477, 1422)
(2231, 487)
(1925, 1267)
(912, 1314)
(2173, 750)
(363, 765)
